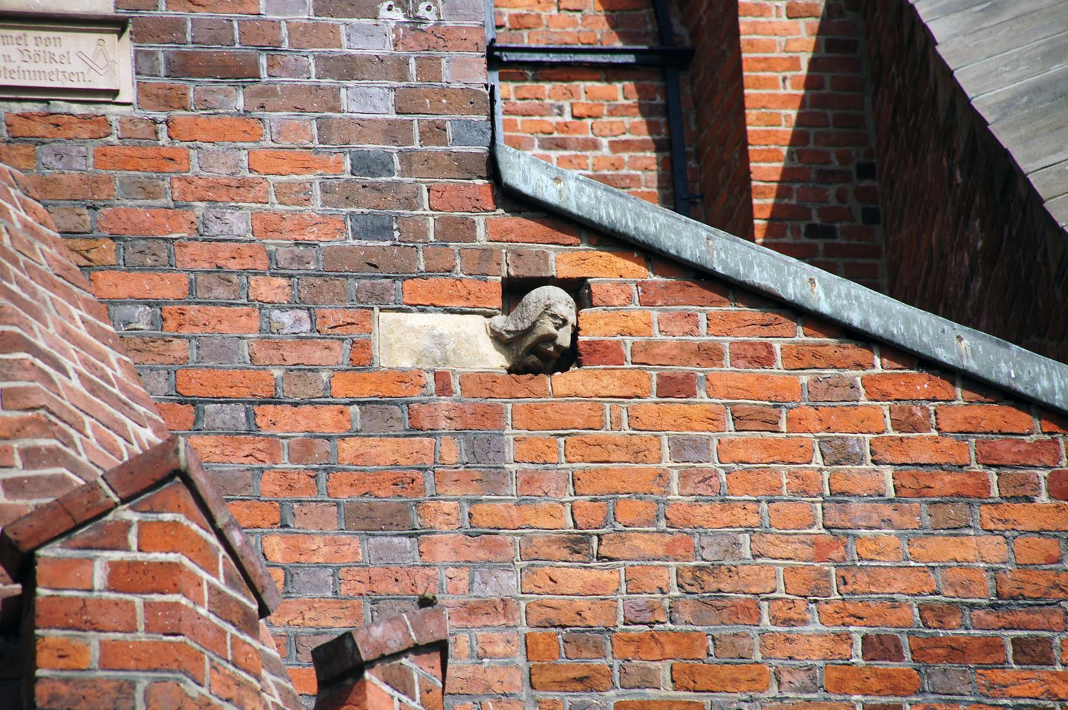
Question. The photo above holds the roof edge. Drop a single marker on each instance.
(171, 459)
(755, 267)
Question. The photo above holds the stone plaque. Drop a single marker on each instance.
(430, 340)
(60, 59)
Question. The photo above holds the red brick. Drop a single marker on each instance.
(570, 677)
(919, 450)
(830, 356)
(907, 385)
(750, 324)
(757, 387)
(612, 449)
(222, 255)
(555, 416)
(871, 680)
(677, 417)
(983, 419)
(372, 451)
(139, 285)
(705, 294)
(295, 162)
(532, 231)
(314, 549)
(765, 450)
(468, 293)
(383, 383)
(601, 265)
(624, 384)
(842, 419)
(462, 197)
(219, 189)
(132, 221)
(57, 125)
(322, 418)
(720, 677)
(225, 383)
(676, 353)
(298, 227)
(1014, 452)
(214, 129)
(610, 324)
(150, 159)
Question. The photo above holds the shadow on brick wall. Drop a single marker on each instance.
(814, 177)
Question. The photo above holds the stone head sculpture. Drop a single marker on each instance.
(538, 331)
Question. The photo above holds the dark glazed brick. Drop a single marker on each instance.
(372, 227)
(1033, 651)
(471, 133)
(870, 215)
(381, 418)
(690, 449)
(444, 165)
(370, 260)
(529, 264)
(372, 163)
(296, 258)
(359, 67)
(821, 231)
(882, 647)
(376, 292)
(377, 516)
(842, 451)
(303, 580)
(866, 171)
(292, 97)
(146, 253)
(205, 64)
(484, 450)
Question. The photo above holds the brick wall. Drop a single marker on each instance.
(966, 235)
(787, 160)
(724, 496)
(722, 144)
(70, 402)
(609, 124)
(810, 148)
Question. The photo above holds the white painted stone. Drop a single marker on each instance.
(430, 340)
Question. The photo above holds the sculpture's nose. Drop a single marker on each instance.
(563, 338)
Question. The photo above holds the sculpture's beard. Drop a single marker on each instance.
(529, 364)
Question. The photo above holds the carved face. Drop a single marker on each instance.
(546, 340)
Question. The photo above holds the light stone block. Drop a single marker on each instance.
(431, 340)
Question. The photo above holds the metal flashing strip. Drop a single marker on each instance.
(757, 268)
(577, 54)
